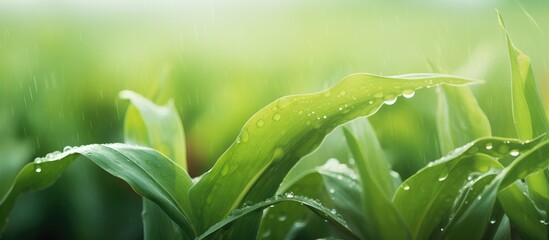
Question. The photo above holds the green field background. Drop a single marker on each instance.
(63, 63)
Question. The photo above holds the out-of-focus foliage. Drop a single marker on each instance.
(63, 64)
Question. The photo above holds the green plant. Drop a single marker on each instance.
(486, 187)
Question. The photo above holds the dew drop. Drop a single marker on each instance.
(278, 153)
(514, 153)
(503, 149)
(225, 170)
(492, 221)
(38, 169)
(489, 146)
(442, 229)
(245, 136)
(260, 122)
(408, 93)
(282, 218)
(406, 187)
(442, 178)
(276, 116)
(283, 102)
(290, 195)
(67, 148)
(390, 99)
(266, 234)
(371, 102)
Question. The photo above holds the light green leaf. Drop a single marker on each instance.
(469, 224)
(277, 136)
(380, 217)
(528, 115)
(159, 127)
(426, 197)
(313, 205)
(147, 171)
(334, 184)
(460, 119)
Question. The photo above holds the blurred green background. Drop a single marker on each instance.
(62, 64)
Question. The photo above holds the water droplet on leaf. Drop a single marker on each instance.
(514, 153)
(408, 93)
(260, 123)
(276, 116)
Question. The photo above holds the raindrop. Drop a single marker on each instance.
(290, 195)
(67, 148)
(276, 116)
(266, 234)
(408, 93)
(333, 211)
(405, 187)
(283, 102)
(225, 170)
(442, 178)
(442, 229)
(371, 102)
(492, 221)
(38, 169)
(245, 136)
(278, 153)
(489, 146)
(503, 149)
(260, 122)
(390, 99)
(282, 218)
(514, 152)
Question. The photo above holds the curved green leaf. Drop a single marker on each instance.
(380, 216)
(147, 171)
(277, 136)
(313, 205)
(333, 184)
(528, 115)
(529, 162)
(159, 127)
(426, 197)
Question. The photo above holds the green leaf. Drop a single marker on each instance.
(147, 171)
(334, 184)
(426, 197)
(528, 115)
(313, 205)
(469, 225)
(277, 136)
(460, 119)
(159, 127)
(380, 216)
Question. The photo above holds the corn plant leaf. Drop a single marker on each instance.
(381, 217)
(146, 170)
(334, 184)
(426, 197)
(159, 127)
(471, 224)
(277, 136)
(528, 115)
(313, 205)
(460, 119)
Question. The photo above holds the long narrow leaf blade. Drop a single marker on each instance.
(381, 219)
(147, 171)
(276, 137)
(159, 127)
